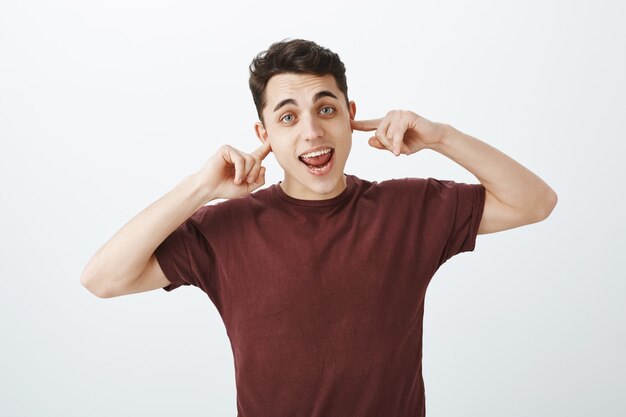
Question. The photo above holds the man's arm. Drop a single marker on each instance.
(126, 263)
(514, 197)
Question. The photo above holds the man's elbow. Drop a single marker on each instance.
(90, 281)
(546, 205)
(85, 282)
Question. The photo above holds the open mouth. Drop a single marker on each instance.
(318, 162)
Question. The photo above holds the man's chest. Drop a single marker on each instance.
(324, 276)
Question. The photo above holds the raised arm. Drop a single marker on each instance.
(126, 263)
(514, 197)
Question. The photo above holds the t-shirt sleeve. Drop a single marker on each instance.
(462, 208)
(185, 256)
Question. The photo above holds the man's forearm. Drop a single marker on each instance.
(507, 180)
(126, 254)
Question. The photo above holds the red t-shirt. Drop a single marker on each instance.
(323, 300)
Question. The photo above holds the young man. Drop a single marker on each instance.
(319, 279)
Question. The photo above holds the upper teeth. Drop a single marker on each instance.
(316, 153)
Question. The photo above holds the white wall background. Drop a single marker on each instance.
(106, 105)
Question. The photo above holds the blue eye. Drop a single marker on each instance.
(287, 118)
(327, 110)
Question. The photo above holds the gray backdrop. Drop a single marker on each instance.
(107, 105)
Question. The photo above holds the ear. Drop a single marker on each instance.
(352, 110)
(260, 131)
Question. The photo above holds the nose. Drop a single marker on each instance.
(311, 129)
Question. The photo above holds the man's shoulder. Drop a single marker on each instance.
(234, 207)
(410, 188)
(393, 184)
(416, 183)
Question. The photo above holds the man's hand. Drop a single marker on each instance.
(230, 173)
(401, 132)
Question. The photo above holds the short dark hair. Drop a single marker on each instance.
(297, 56)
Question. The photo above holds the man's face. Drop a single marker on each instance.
(307, 121)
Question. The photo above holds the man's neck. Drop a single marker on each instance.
(302, 192)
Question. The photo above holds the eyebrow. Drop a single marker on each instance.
(321, 94)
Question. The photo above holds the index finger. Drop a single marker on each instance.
(365, 125)
(263, 150)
